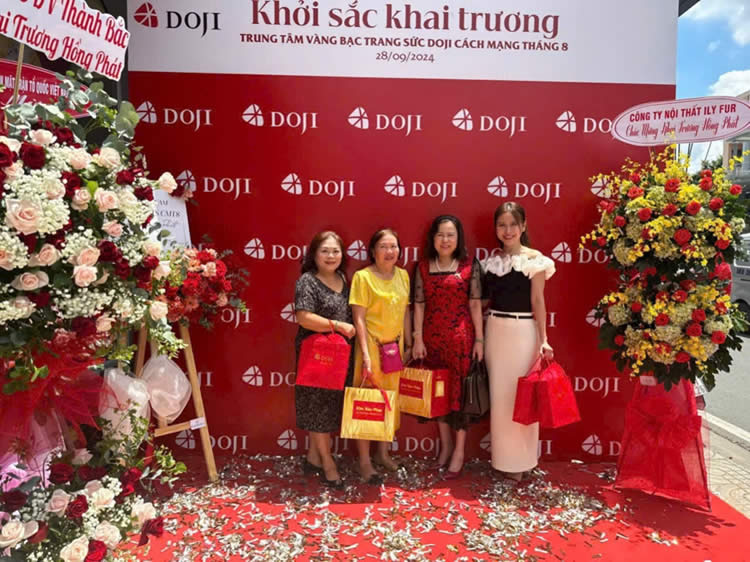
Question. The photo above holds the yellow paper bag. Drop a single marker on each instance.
(367, 414)
(424, 392)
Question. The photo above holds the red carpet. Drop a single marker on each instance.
(265, 509)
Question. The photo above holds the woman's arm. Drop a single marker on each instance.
(475, 307)
(317, 323)
(407, 334)
(419, 350)
(359, 312)
(540, 313)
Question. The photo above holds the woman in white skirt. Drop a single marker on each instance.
(515, 336)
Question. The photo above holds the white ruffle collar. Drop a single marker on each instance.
(529, 265)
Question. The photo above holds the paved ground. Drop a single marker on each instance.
(728, 471)
(729, 399)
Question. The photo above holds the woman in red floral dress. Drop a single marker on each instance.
(448, 328)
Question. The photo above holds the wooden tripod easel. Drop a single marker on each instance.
(199, 422)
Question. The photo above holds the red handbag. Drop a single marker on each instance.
(526, 407)
(323, 361)
(557, 401)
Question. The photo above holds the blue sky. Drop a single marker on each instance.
(713, 54)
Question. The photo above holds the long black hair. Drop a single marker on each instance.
(308, 262)
(460, 252)
(519, 214)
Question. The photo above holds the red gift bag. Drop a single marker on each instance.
(323, 361)
(526, 407)
(557, 401)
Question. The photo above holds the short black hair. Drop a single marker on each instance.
(460, 252)
(375, 238)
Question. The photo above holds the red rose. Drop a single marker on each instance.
(153, 527)
(646, 234)
(672, 185)
(723, 271)
(679, 296)
(77, 507)
(64, 135)
(721, 308)
(722, 244)
(706, 173)
(191, 285)
(30, 240)
(142, 273)
(682, 236)
(32, 155)
(669, 210)
(88, 473)
(144, 192)
(131, 475)
(40, 535)
(71, 182)
(636, 307)
(127, 489)
(694, 330)
(6, 156)
(635, 192)
(693, 207)
(644, 214)
(607, 206)
(97, 551)
(682, 357)
(204, 256)
(649, 271)
(635, 177)
(735, 189)
(125, 177)
(83, 327)
(41, 300)
(13, 501)
(620, 221)
(226, 285)
(662, 296)
(108, 251)
(662, 319)
(706, 183)
(619, 340)
(122, 268)
(718, 337)
(688, 284)
(602, 241)
(150, 262)
(699, 315)
(60, 473)
(716, 203)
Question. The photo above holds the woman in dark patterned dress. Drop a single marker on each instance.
(321, 297)
(448, 324)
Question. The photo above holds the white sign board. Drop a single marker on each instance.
(171, 214)
(68, 29)
(682, 121)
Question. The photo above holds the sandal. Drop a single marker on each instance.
(309, 468)
(337, 484)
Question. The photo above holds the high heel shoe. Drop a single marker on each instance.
(309, 468)
(450, 475)
(436, 465)
(337, 484)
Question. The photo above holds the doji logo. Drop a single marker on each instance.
(145, 14)
(503, 123)
(592, 319)
(592, 445)
(185, 439)
(186, 180)
(287, 440)
(604, 385)
(567, 122)
(600, 188)
(359, 119)
(287, 313)
(236, 317)
(333, 188)
(441, 190)
(357, 250)
(562, 253)
(146, 112)
(253, 376)
(253, 115)
(237, 186)
(197, 117)
(499, 187)
(254, 248)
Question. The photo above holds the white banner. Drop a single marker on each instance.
(171, 212)
(68, 29)
(531, 40)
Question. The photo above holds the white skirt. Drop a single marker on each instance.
(510, 351)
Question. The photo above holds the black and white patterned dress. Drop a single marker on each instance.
(319, 409)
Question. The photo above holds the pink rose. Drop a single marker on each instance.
(81, 457)
(30, 281)
(58, 503)
(113, 228)
(105, 199)
(108, 534)
(222, 300)
(54, 188)
(42, 137)
(104, 323)
(46, 256)
(158, 310)
(5, 262)
(84, 275)
(166, 182)
(87, 256)
(79, 159)
(24, 305)
(81, 199)
(92, 487)
(107, 158)
(22, 215)
(143, 512)
(162, 270)
(152, 248)
(13, 144)
(75, 551)
(13, 532)
(14, 171)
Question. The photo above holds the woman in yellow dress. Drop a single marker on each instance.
(379, 298)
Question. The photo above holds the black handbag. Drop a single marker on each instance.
(475, 395)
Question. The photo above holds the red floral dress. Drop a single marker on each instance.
(447, 331)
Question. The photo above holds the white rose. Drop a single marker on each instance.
(22, 215)
(24, 305)
(158, 310)
(161, 271)
(92, 486)
(79, 159)
(84, 275)
(14, 171)
(58, 503)
(105, 199)
(81, 199)
(113, 228)
(81, 457)
(166, 182)
(152, 248)
(107, 158)
(108, 534)
(143, 512)
(30, 281)
(46, 256)
(13, 144)
(42, 136)
(104, 323)
(14, 532)
(87, 256)
(127, 199)
(53, 188)
(102, 499)
(76, 551)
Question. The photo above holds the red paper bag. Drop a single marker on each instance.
(526, 408)
(557, 401)
(323, 361)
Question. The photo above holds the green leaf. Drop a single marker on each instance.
(18, 338)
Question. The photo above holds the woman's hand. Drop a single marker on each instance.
(346, 329)
(478, 351)
(407, 354)
(366, 363)
(547, 352)
(419, 351)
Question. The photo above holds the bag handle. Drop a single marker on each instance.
(381, 344)
(366, 374)
(333, 328)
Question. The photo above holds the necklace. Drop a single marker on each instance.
(450, 267)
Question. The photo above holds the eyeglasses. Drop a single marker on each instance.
(447, 236)
(327, 252)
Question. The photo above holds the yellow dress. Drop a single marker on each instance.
(386, 303)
